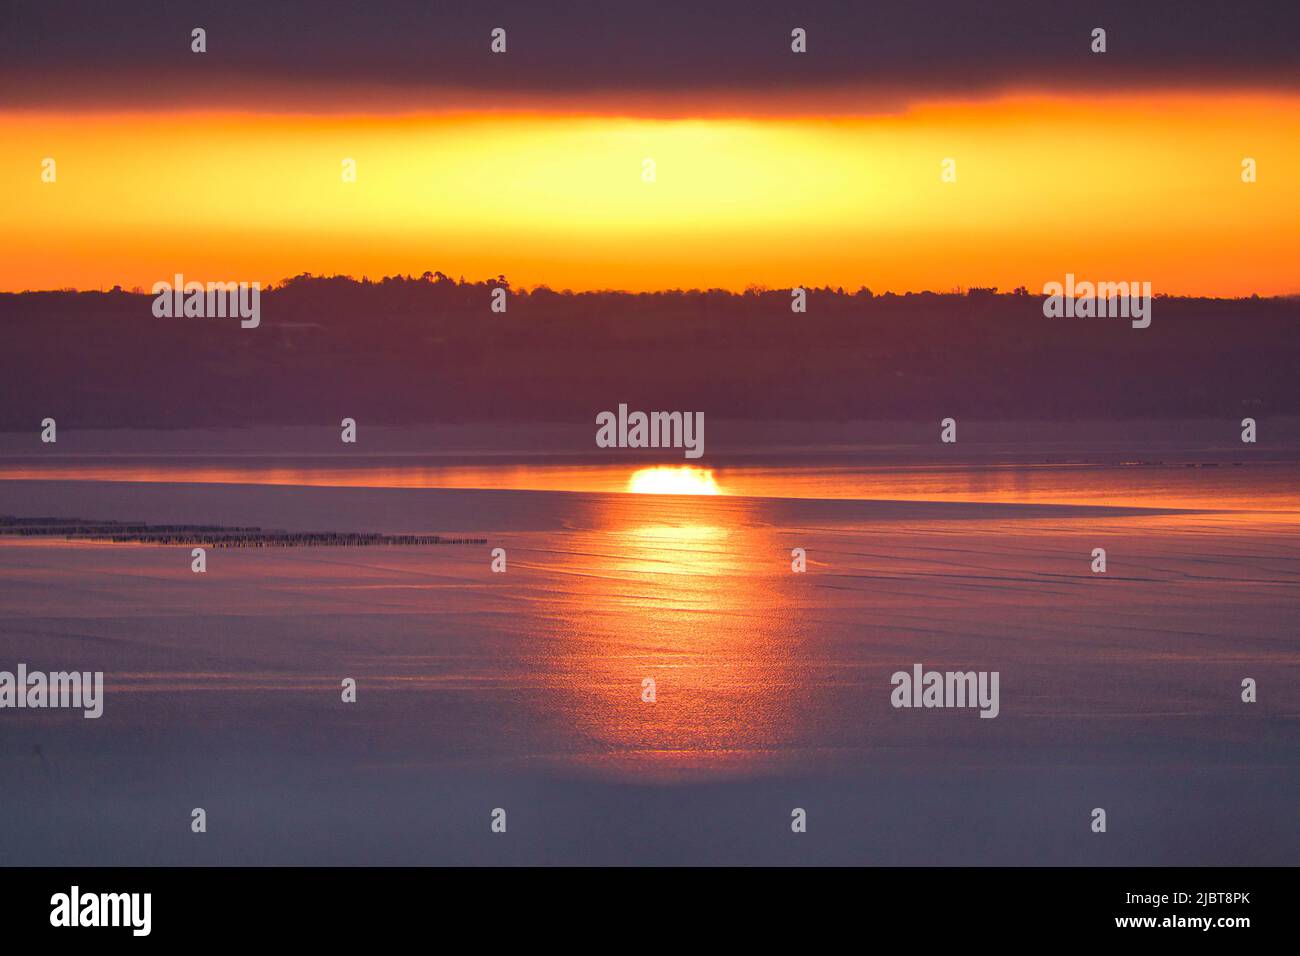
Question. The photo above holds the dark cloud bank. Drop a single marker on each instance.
(321, 55)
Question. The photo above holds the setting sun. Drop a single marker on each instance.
(673, 480)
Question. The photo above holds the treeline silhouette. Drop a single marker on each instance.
(430, 349)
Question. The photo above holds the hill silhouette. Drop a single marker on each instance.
(429, 349)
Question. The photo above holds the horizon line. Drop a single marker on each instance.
(436, 277)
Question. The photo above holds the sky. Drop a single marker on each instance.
(769, 167)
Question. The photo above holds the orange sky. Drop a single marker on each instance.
(1116, 187)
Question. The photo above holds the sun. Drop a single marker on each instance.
(673, 480)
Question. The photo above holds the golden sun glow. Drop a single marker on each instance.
(673, 480)
(1136, 186)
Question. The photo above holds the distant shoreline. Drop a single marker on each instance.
(117, 532)
(411, 352)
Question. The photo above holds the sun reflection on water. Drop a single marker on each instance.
(687, 593)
